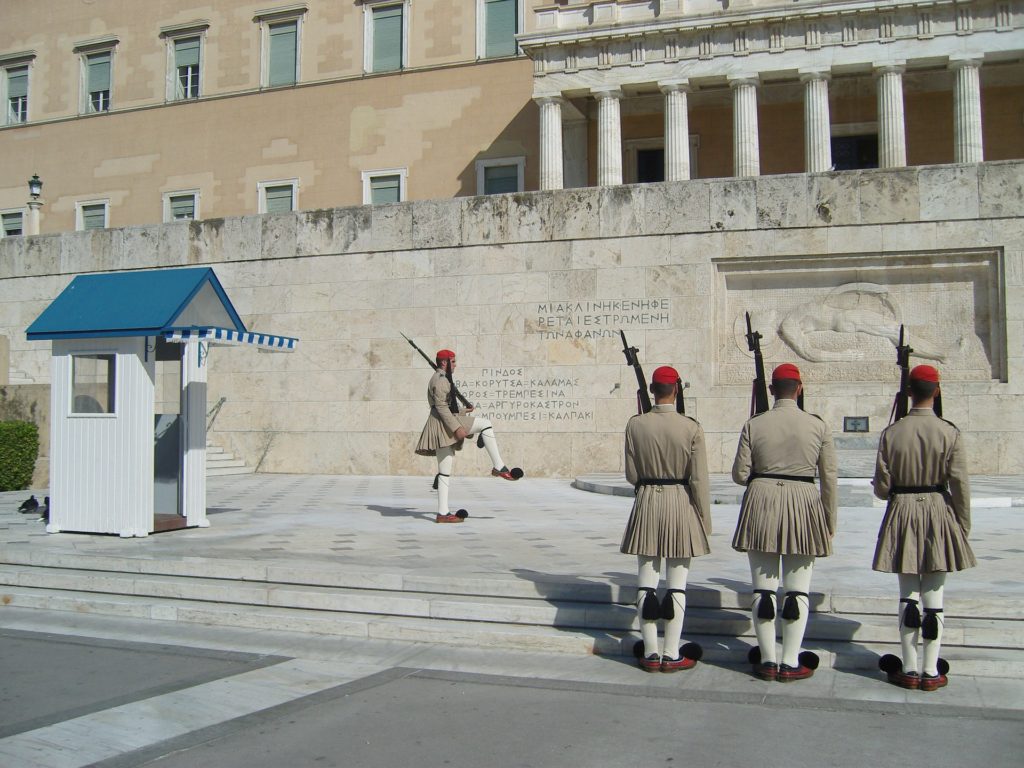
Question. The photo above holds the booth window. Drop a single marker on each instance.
(93, 381)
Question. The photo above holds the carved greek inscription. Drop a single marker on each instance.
(600, 319)
(525, 395)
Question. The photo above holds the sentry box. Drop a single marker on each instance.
(128, 397)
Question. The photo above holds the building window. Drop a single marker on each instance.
(93, 214)
(186, 68)
(384, 186)
(500, 175)
(97, 81)
(282, 53)
(17, 94)
(278, 196)
(93, 383)
(181, 205)
(385, 38)
(499, 22)
(11, 223)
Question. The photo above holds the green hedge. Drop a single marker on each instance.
(19, 446)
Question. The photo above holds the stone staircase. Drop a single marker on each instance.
(983, 637)
(222, 462)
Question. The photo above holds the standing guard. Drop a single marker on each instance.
(666, 462)
(446, 430)
(784, 517)
(921, 470)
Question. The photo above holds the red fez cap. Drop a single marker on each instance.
(924, 373)
(445, 354)
(665, 375)
(786, 371)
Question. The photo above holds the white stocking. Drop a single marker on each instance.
(910, 590)
(648, 574)
(796, 577)
(764, 574)
(678, 571)
(445, 463)
(931, 594)
(483, 426)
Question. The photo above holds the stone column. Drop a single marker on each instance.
(609, 136)
(550, 142)
(892, 135)
(967, 141)
(817, 129)
(32, 218)
(746, 153)
(677, 130)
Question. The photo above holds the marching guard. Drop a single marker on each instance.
(784, 517)
(666, 462)
(921, 470)
(447, 428)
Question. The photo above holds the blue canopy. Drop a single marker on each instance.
(142, 303)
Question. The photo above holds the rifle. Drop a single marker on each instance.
(901, 404)
(448, 374)
(643, 398)
(759, 386)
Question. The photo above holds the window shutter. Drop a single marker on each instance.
(94, 216)
(99, 72)
(183, 207)
(501, 28)
(17, 82)
(12, 224)
(387, 38)
(279, 199)
(186, 52)
(282, 53)
(385, 189)
(501, 178)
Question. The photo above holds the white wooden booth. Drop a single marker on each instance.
(128, 397)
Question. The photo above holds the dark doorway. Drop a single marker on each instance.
(852, 152)
(650, 165)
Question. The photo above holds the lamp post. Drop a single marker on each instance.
(35, 189)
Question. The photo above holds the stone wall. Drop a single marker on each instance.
(532, 289)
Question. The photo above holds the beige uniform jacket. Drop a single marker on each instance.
(786, 440)
(663, 444)
(439, 431)
(923, 450)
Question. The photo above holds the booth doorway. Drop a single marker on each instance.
(168, 431)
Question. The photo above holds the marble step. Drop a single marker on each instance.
(220, 462)
(991, 662)
(491, 609)
(545, 586)
(551, 587)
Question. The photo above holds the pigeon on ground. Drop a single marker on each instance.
(29, 505)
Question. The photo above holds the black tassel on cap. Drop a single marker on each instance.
(930, 625)
(651, 610)
(911, 616)
(668, 604)
(766, 605)
(791, 609)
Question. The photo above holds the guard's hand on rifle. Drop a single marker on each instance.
(460, 434)
(469, 410)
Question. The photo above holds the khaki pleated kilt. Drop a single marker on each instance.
(664, 523)
(434, 434)
(782, 516)
(920, 534)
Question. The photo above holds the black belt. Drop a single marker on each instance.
(660, 481)
(773, 476)
(900, 489)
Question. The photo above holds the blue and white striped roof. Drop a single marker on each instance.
(227, 336)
